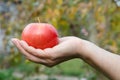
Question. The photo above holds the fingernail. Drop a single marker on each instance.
(12, 40)
(21, 42)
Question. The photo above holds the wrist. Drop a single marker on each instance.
(85, 49)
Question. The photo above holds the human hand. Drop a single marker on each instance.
(66, 49)
(73, 47)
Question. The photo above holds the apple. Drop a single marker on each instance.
(40, 35)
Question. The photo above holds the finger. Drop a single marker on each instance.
(36, 52)
(28, 55)
(40, 61)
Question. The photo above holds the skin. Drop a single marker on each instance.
(72, 47)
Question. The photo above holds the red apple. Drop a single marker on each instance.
(40, 35)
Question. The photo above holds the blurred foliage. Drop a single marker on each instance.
(95, 20)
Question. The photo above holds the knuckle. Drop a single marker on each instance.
(50, 63)
(36, 54)
(52, 57)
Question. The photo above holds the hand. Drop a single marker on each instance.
(73, 47)
(66, 49)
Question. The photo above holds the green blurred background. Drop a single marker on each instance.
(95, 20)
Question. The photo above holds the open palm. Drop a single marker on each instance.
(65, 50)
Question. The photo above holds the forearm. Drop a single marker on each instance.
(106, 62)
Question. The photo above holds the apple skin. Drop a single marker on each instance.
(40, 35)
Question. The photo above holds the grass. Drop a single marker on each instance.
(70, 68)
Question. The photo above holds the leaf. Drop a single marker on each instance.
(60, 2)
